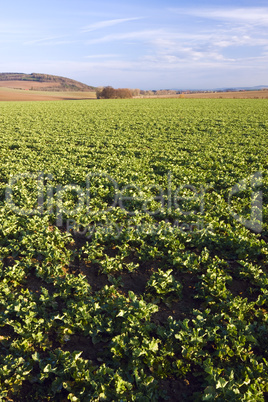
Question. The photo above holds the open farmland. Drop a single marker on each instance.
(260, 94)
(12, 94)
(134, 256)
(27, 85)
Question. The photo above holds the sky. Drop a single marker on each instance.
(138, 44)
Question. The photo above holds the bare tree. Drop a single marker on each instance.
(111, 93)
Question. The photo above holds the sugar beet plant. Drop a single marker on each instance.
(134, 250)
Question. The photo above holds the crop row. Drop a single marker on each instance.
(134, 250)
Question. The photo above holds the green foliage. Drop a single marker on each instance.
(163, 286)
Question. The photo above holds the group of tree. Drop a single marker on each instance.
(124, 93)
(112, 93)
(160, 92)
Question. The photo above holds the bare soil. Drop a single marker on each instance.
(231, 95)
(11, 94)
(22, 91)
(27, 85)
(263, 94)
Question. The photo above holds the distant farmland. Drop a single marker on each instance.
(216, 95)
(11, 94)
(38, 87)
(25, 91)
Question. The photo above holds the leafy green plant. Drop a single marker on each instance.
(162, 286)
(132, 299)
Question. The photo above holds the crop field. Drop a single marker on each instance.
(134, 255)
(12, 94)
(261, 94)
(27, 85)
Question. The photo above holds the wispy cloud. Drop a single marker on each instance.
(171, 49)
(222, 41)
(102, 56)
(136, 35)
(164, 71)
(178, 52)
(251, 15)
(175, 45)
(48, 40)
(107, 23)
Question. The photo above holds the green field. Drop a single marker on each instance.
(134, 250)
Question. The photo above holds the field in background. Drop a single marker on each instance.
(217, 95)
(231, 95)
(27, 91)
(27, 85)
(12, 94)
(133, 250)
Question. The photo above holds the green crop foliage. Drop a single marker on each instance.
(134, 257)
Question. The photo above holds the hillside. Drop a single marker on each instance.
(41, 82)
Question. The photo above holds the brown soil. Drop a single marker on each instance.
(231, 95)
(263, 94)
(26, 85)
(84, 344)
(21, 91)
(7, 94)
(136, 282)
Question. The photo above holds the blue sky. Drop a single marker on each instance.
(138, 44)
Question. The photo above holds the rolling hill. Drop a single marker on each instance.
(42, 82)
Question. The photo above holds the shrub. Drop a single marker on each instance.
(111, 93)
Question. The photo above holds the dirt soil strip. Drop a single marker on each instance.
(27, 84)
(217, 95)
(22, 95)
(13, 96)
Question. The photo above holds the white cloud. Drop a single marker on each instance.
(107, 23)
(170, 50)
(102, 56)
(51, 40)
(154, 72)
(195, 43)
(137, 35)
(209, 44)
(251, 15)
(244, 40)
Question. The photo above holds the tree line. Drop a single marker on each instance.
(112, 93)
(124, 93)
(120, 93)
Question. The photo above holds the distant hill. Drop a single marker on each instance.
(256, 88)
(42, 82)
